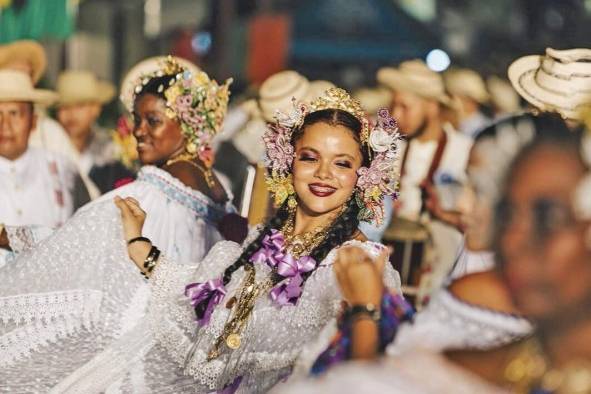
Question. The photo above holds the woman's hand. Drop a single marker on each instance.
(359, 276)
(132, 216)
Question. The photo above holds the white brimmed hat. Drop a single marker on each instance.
(27, 50)
(466, 82)
(559, 81)
(317, 88)
(83, 86)
(17, 86)
(147, 67)
(414, 76)
(277, 91)
(502, 95)
(373, 99)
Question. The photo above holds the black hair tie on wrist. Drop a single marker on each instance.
(139, 239)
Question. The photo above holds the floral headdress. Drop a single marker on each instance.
(374, 182)
(192, 98)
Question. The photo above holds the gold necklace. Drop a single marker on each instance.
(188, 158)
(300, 244)
(243, 305)
(530, 370)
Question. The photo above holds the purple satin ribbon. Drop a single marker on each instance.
(271, 253)
(213, 290)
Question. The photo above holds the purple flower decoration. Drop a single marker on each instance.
(279, 149)
(205, 297)
(289, 289)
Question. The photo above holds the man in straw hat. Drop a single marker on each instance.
(468, 91)
(558, 81)
(29, 57)
(81, 98)
(431, 155)
(36, 186)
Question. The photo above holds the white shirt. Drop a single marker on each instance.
(418, 161)
(51, 136)
(36, 189)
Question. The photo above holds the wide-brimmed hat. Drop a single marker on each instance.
(76, 86)
(147, 67)
(466, 82)
(415, 77)
(17, 86)
(373, 99)
(502, 95)
(559, 81)
(277, 92)
(27, 50)
(317, 88)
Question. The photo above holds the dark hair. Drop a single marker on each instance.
(549, 130)
(340, 231)
(157, 86)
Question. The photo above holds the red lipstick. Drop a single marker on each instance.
(321, 189)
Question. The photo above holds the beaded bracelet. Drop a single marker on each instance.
(151, 261)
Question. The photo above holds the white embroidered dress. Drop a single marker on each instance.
(69, 296)
(164, 351)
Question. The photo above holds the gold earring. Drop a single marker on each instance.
(292, 203)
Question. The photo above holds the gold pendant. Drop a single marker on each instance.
(231, 303)
(233, 341)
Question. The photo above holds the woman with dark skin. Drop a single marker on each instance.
(84, 267)
(183, 193)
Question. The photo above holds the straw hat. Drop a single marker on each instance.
(559, 81)
(17, 86)
(502, 95)
(75, 87)
(415, 77)
(147, 67)
(465, 82)
(25, 50)
(317, 88)
(277, 91)
(373, 99)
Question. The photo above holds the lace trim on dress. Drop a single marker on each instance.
(265, 356)
(22, 238)
(194, 200)
(55, 315)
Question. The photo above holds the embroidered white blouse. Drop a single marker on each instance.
(89, 333)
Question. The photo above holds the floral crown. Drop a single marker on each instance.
(374, 182)
(195, 100)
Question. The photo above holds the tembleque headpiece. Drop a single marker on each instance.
(192, 98)
(374, 182)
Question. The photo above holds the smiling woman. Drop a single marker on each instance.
(85, 265)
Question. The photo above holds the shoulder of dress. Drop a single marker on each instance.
(370, 247)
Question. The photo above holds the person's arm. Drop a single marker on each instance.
(139, 248)
(361, 283)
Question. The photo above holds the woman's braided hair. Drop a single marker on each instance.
(343, 228)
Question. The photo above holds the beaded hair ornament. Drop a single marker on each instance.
(197, 102)
(374, 183)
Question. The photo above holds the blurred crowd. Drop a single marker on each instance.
(490, 231)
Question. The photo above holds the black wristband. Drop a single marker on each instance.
(368, 310)
(139, 239)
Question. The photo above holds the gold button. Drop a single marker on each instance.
(233, 341)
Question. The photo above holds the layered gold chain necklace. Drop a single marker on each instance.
(188, 158)
(249, 291)
(529, 372)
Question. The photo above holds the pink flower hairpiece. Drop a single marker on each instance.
(375, 182)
